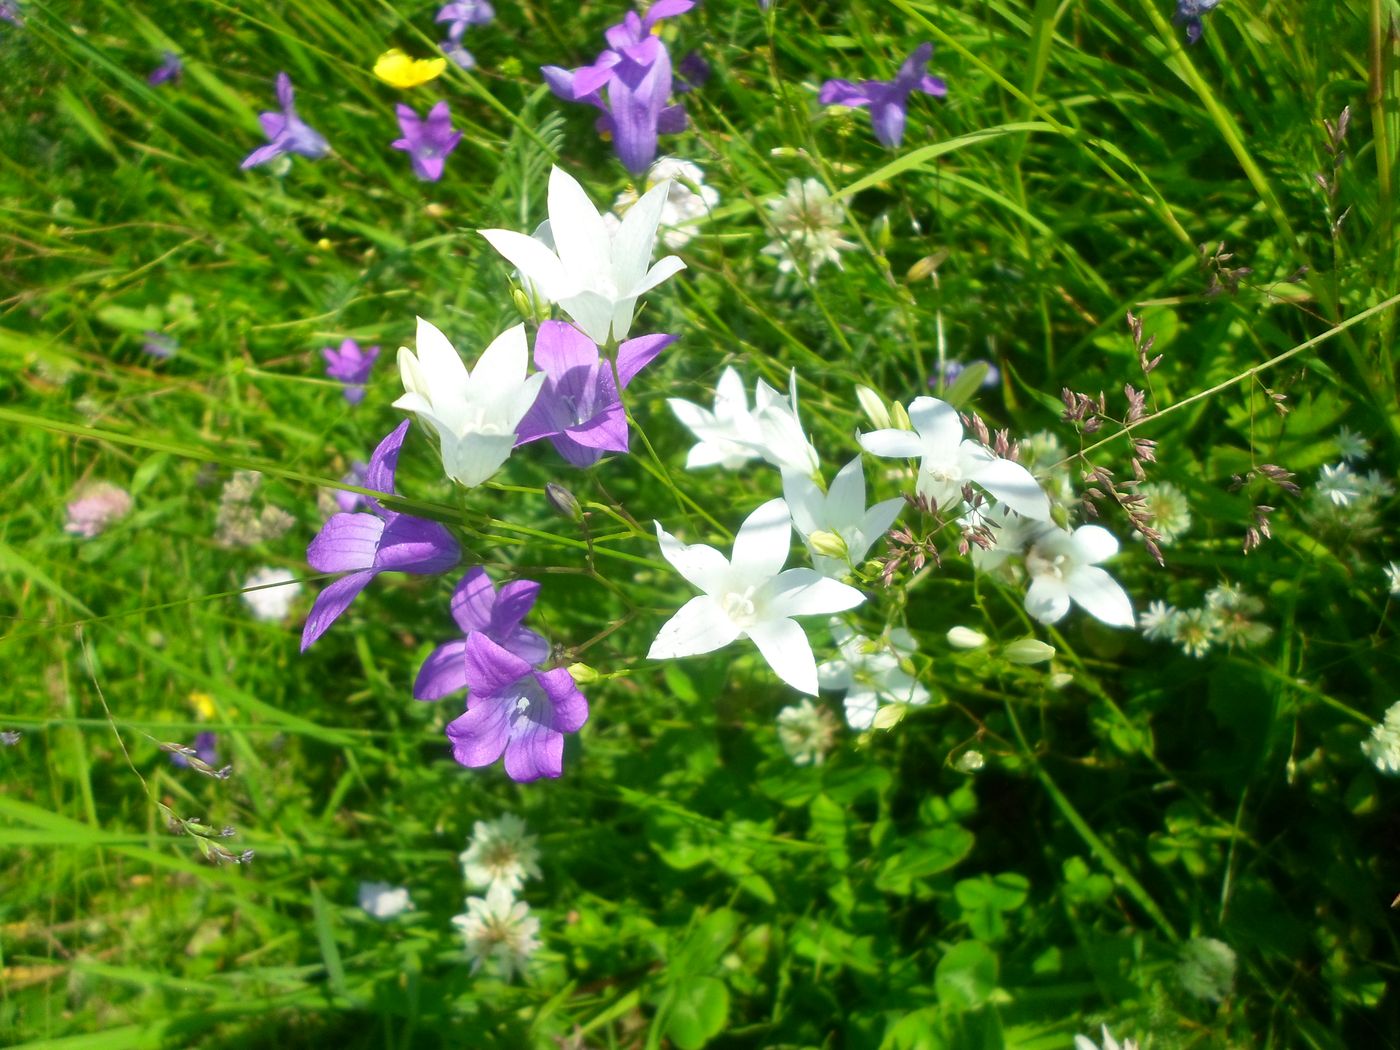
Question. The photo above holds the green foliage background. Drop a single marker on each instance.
(698, 888)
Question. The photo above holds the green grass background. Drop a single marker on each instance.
(697, 887)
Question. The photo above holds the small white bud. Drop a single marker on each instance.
(828, 544)
(966, 638)
(1028, 651)
(873, 407)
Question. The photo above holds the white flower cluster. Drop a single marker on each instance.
(1226, 618)
(498, 928)
(1383, 745)
(751, 595)
(1341, 485)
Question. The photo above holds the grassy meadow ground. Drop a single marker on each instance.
(1191, 848)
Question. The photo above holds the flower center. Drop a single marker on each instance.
(739, 607)
(1047, 563)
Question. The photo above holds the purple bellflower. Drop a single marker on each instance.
(427, 141)
(353, 501)
(9, 12)
(479, 609)
(636, 71)
(1190, 13)
(516, 710)
(888, 99)
(205, 749)
(364, 545)
(286, 132)
(170, 68)
(953, 369)
(578, 408)
(159, 345)
(351, 366)
(460, 16)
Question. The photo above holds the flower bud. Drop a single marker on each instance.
(522, 303)
(1059, 680)
(1028, 651)
(582, 674)
(899, 418)
(873, 407)
(563, 501)
(828, 544)
(880, 233)
(966, 638)
(969, 762)
(889, 716)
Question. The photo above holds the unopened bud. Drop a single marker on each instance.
(966, 638)
(563, 501)
(899, 418)
(889, 716)
(1059, 680)
(969, 762)
(827, 544)
(873, 407)
(880, 233)
(924, 268)
(522, 303)
(1028, 651)
(582, 674)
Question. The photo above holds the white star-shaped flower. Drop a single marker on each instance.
(595, 275)
(948, 461)
(725, 436)
(870, 672)
(1063, 567)
(838, 518)
(475, 413)
(750, 594)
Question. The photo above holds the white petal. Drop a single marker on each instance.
(518, 401)
(535, 262)
(690, 414)
(805, 502)
(664, 269)
(861, 706)
(730, 392)
(580, 237)
(835, 674)
(877, 521)
(700, 565)
(937, 423)
(699, 626)
(634, 240)
(1047, 599)
(1009, 482)
(1093, 544)
(806, 592)
(414, 382)
(439, 366)
(762, 545)
(592, 313)
(784, 645)
(472, 458)
(845, 500)
(708, 454)
(893, 444)
(1101, 596)
(501, 367)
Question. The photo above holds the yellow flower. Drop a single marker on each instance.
(396, 68)
(203, 705)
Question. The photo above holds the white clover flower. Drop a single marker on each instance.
(499, 929)
(728, 435)
(595, 276)
(1392, 577)
(270, 593)
(1063, 567)
(1338, 484)
(475, 414)
(947, 461)
(688, 200)
(1383, 747)
(872, 672)
(807, 732)
(750, 595)
(1195, 630)
(1158, 622)
(839, 517)
(1109, 1043)
(500, 853)
(384, 900)
(1169, 508)
(808, 222)
(1351, 446)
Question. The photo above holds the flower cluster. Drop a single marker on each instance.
(498, 928)
(630, 84)
(1227, 618)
